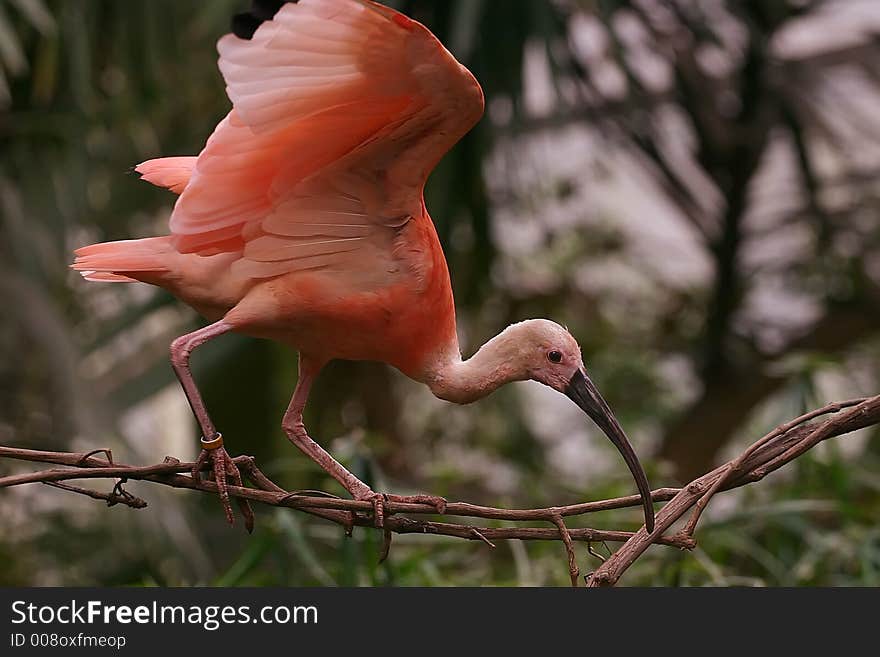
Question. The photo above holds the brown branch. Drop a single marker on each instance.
(117, 496)
(565, 535)
(329, 507)
(778, 447)
(731, 467)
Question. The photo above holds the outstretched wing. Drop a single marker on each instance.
(341, 109)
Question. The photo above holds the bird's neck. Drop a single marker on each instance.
(464, 381)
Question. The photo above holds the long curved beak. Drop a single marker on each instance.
(584, 393)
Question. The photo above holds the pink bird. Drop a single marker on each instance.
(303, 220)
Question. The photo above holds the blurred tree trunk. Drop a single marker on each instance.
(692, 443)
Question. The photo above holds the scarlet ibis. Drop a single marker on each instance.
(303, 220)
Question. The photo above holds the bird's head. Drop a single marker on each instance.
(543, 351)
(546, 352)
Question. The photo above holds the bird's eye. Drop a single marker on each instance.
(554, 357)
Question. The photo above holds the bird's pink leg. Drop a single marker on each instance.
(212, 442)
(295, 429)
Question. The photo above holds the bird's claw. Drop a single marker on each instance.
(379, 500)
(225, 470)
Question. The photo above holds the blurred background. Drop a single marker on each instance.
(689, 185)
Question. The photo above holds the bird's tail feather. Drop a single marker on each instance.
(117, 261)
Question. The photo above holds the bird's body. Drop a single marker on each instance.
(309, 219)
(407, 322)
(303, 218)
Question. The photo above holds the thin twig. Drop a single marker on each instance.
(480, 536)
(591, 551)
(565, 535)
(112, 498)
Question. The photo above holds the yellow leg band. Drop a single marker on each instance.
(214, 443)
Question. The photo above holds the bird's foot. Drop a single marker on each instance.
(225, 471)
(379, 500)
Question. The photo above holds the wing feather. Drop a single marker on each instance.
(341, 108)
